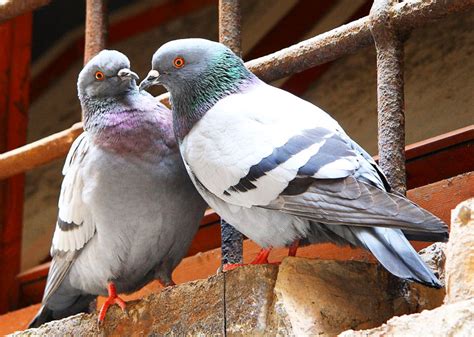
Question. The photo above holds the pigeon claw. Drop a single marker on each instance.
(167, 284)
(111, 300)
(293, 248)
(261, 258)
(232, 266)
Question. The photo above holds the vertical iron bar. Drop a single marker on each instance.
(232, 241)
(390, 95)
(96, 28)
(229, 25)
(229, 34)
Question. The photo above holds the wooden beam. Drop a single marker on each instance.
(439, 198)
(14, 87)
(10, 9)
(440, 157)
(17, 320)
(299, 83)
(118, 31)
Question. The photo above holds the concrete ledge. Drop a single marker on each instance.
(300, 297)
(449, 320)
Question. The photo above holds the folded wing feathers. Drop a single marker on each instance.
(314, 152)
(351, 202)
(72, 209)
(335, 195)
(60, 265)
(78, 148)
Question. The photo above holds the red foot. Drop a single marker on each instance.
(261, 258)
(293, 248)
(112, 299)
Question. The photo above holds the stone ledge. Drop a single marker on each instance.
(455, 319)
(300, 297)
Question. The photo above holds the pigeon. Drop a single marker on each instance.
(127, 208)
(280, 169)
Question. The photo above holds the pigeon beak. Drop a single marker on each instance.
(150, 80)
(126, 73)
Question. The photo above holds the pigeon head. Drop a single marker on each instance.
(197, 73)
(107, 74)
(184, 65)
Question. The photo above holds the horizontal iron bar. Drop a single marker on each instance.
(349, 38)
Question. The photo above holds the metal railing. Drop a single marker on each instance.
(229, 34)
(389, 21)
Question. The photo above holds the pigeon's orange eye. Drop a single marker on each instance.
(178, 62)
(99, 75)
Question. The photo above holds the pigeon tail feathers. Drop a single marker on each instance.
(44, 315)
(396, 254)
(82, 304)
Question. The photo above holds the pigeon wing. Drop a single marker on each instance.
(75, 225)
(349, 201)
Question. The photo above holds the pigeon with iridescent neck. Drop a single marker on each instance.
(280, 169)
(127, 209)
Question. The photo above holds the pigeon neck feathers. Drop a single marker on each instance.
(131, 124)
(226, 75)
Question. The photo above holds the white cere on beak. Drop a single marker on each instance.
(153, 74)
(125, 72)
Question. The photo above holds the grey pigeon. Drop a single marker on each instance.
(280, 169)
(127, 209)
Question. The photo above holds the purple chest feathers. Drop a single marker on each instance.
(135, 133)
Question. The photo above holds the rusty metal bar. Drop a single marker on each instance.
(38, 153)
(12, 8)
(323, 48)
(96, 28)
(229, 34)
(390, 95)
(230, 24)
(349, 38)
